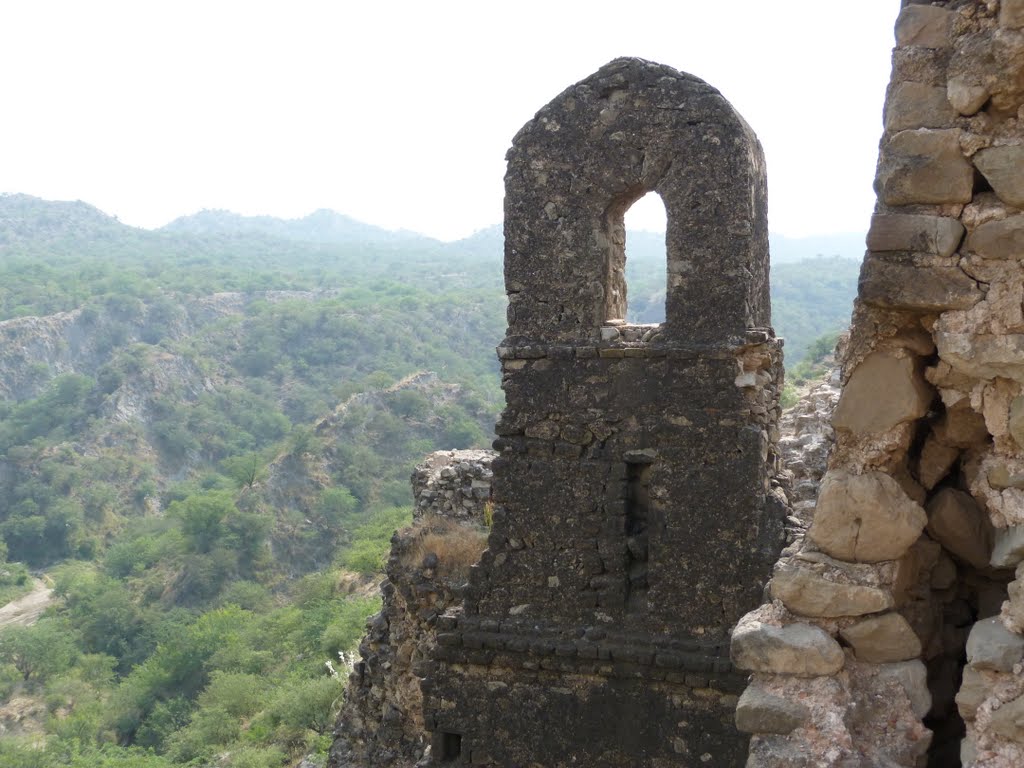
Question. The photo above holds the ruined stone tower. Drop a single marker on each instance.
(634, 521)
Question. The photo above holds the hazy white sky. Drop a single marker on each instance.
(399, 113)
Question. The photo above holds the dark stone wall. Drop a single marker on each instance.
(633, 520)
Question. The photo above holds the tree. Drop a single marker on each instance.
(39, 651)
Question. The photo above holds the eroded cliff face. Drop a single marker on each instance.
(381, 722)
(895, 630)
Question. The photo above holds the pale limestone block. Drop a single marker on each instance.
(924, 166)
(992, 646)
(923, 25)
(882, 392)
(865, 518)
(1003, 167)
(883, 639)
(918, 233)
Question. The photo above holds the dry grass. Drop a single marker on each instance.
(456, 545)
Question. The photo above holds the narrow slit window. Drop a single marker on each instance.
(638, 518)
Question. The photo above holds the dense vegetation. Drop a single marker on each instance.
(206, 434)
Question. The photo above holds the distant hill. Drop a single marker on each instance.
(322, 226)
(846, 245)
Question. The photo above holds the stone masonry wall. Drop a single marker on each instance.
(895, 631)
(381, 722)
(636, 505)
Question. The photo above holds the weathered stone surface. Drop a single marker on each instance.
(897, 285)
(808, 594)
(1011, 14)
(759, 711)
(883, 639)
(923, 25)
(924, 166)
(965, 95)
(883, 391)
(1003, 167)
(917, 233)
(913, 676)
(935, 461)
(1016, 420)
(992, 646)
(958, 524)
(1008, 549)
(595, 602)
(1008, 720)
(1000, 239)
(973, 690)
(797, 649)
(865, 518)
(917, 105)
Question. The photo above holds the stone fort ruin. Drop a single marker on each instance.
(633, 523)
(638, 496)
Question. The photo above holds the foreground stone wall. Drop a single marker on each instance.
(635, 516)
(381, 722)
(911, 567)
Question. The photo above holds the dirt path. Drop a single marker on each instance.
(25, 610)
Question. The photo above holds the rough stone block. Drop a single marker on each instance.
(797, 649)
(761, 712)
(924, 167)
(806, 593)
(882, 392)
(921, 289)
(1008, 720)
(997, 240)
(1011, 14)
(973, 691)
(865, 518)
(883, 639)
(923, 25)
(935, 461)
(992, 646)
(1008, 550)
(957, 522)
(918, 233)
(913, 676)
(918, 105)
(965, 95)
(1003, 168)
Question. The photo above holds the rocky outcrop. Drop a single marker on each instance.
(906, 560)
(381, 722)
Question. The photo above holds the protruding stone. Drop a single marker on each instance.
(895, 285)
(917, 105)
(924, 166)
(916, 233)
(923, 25)
(1008, 720)
(1002, 239)
(761, 712)
(961, 426)
(883, 391)
(865, 518)
(1003, 167)
(957, 522)
(1016, 421)
(883, 639)
(972, 692)
(966, 96)
(808, 594)
(1008, 550)
(992, 646)
(797, 649)
(913, 676)
(935, 461)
